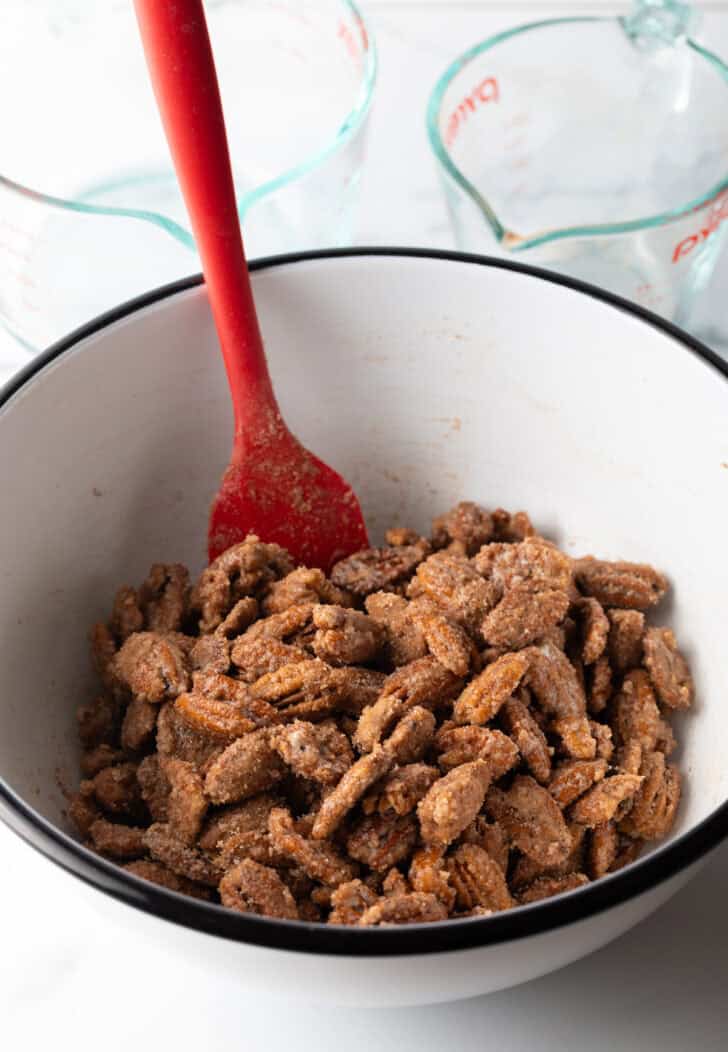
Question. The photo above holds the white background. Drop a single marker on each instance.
(68, 981)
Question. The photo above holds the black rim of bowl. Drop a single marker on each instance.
(521, 922)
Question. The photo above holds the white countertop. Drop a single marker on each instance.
(68, 981)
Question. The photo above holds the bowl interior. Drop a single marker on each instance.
(424, 381)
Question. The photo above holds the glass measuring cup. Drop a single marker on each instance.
(594, 146)
(90, 213)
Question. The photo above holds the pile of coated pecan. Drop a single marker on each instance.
(441, 728)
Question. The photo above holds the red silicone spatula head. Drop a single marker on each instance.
(273, 486)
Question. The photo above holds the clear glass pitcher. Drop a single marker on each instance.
(90, 213)
(594, 146)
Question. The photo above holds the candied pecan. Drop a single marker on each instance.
(302, 681)
(535, 564)
(152, 667)
(424, 682)
(451, 582)
(531, 819)
(354, 784)
(528, 737)
(359, 688)
(445, 639)
(453, 801)
(318, 858)
(345, 637)
(629, 757)
(257, 657)
(554, 682)
(239, 572)
(414, 907)
(469, 525)
(309, 911)
(97, 722)
(154, 786)
(484, 695)
(82, 811)
(397, 536)
(381, 841)
(656, 801)
(284, 626)
(156, 873)
(378, 569)
(404, 640)
(181, 858)
(636, 715)
(186, 803)
(412, 735)
(175, 737)
(402, 790)
(320, 752)
(490, 837)
(511, 528)
(225, 720)
(600, 685)
(572, 779)
(457, 745)
(240, 618)
(626, 630)
(303, 585)
(126, 617)
(630, 586)
(246, 767)
(349, 901)
(103, 649)
(163, 597)
(430, 874)
(101, 756)
(595, 628)
(523, 616)
(251, 816)
(602, 802)
(211, 654)
(627, 853)
(556, 687)
(602, 735)
(546, 887)
(139, 723)
(376, 720)
(666, 739)
(320, 896)
(116, 789)
(252, 888)
(526, 869)
(602, 849)
(576, 737)
(395, 883)
(117, 841)
(477, 879)
(668, 669)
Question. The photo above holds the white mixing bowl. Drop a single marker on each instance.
(424, 378)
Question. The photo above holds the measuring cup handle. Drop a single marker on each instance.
(660, 22)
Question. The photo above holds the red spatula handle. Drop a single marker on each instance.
(179, 57)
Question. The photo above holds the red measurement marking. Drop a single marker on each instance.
(486, 91)
(718, 214)
(362, 32)
(349, 40)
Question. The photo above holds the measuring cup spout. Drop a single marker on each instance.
(660, 23)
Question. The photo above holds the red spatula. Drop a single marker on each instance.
(273, 486)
